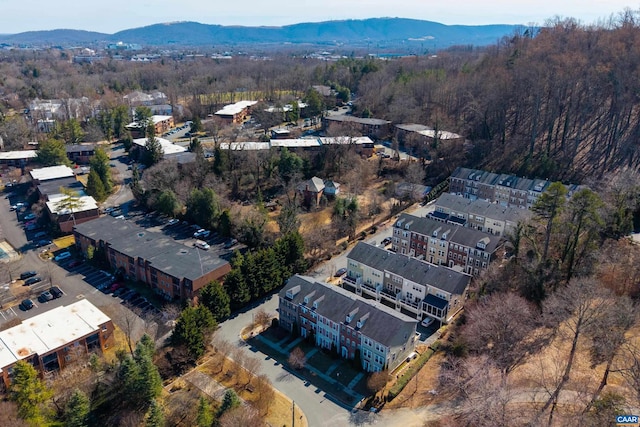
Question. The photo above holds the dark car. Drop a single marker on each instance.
(43, 242)
(120, 291)
(32, 280)
(386, 241)
(75, 263)
(341, 272)
(131, 296)
(56, 292)
(45, 296)
(26, 274)
(27, 304)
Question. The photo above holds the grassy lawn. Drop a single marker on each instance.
(64, 242)
(321, 361)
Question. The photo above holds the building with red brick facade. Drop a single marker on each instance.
(172, 269)
(52, 340)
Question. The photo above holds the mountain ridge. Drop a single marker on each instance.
(349, 31)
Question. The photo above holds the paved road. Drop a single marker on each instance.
(119, 158)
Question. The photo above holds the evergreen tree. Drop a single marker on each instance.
(220, 161)
(205, 414)
(215, 298)
(229, 402)
(136, 185)
(120, 119)
(196, 126)
(288, 165)
(549, 207)
(203, 207)
(95, 188)
(100, 163)
(153, 148)
(224, 224)
(237, 288)
(193, 327)
(77, 409)
(52, 152)
(155, 415)
(167, 203)
(29, 393)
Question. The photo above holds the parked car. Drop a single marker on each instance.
(131, 296)
(26, 304)
(427, 322)
(341, 272)
(75, 263)
(56, 292)
(40, 235)
(115, 286)
(120, 291)
(30, 216)
(45, 296)
(173, 221)
(62, 255)
(43, 242)
(32, 227)
(26, 274)
(386, 241)
(202, 245)
(32, 281)
(201, 233)
(231, 243)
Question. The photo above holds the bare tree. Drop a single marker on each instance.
(377, 381)
(265, 393)
(573, 311)
(252, 366)
(502, 326)
(297, 358)
(261, 318)
(242, 416)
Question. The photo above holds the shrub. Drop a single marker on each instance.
(409, 373)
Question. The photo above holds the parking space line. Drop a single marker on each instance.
(3, 316)
(14, 313)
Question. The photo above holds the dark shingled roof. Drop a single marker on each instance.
(411, 269)
(164, 253)
(383, 325)
(53, 186)
(456, 234)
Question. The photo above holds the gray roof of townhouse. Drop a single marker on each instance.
(383, 325)
(412, 127)
(484, 177)
(482, 207)
(163, 253)
(53, 186)
(455, 233)
(409, 268)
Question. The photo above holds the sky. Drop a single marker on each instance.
(115, 15)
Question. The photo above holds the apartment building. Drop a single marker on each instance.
(173, 270)
(52, 340)
(406, 284)
(507, 190)
(457, 247)
(341, 320)
(481, 215)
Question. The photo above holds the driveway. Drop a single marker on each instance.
(123, 195)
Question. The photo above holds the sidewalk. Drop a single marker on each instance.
(325, 376)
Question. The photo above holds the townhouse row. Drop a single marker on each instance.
(457, 247)
(336, 319)
(507, 190)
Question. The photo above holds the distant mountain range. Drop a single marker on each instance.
(365, 32)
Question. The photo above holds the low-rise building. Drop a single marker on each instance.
(68, 211)
(371, 127)
(161, 125)
(53, 339)
(80, 153)
(17, 158)
(406, 284)
(236, 113)
(172, 269)
(51, 174)
(339, 320)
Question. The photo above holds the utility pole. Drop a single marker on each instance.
(293, 413)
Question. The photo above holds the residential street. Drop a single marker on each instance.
(317, 405)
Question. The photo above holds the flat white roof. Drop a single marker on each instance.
(358, 140)
(52, 172)
(17, 155)
(49, 331)
(240, 146)
(443, 134)
(232, 109)
(158, 119)
(299, 142)
(168, 147)
(86, 203)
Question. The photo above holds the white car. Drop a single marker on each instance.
(203, 245)
(173, 221)
(427, 322)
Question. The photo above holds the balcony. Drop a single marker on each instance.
(369, 287)
(390, 294)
